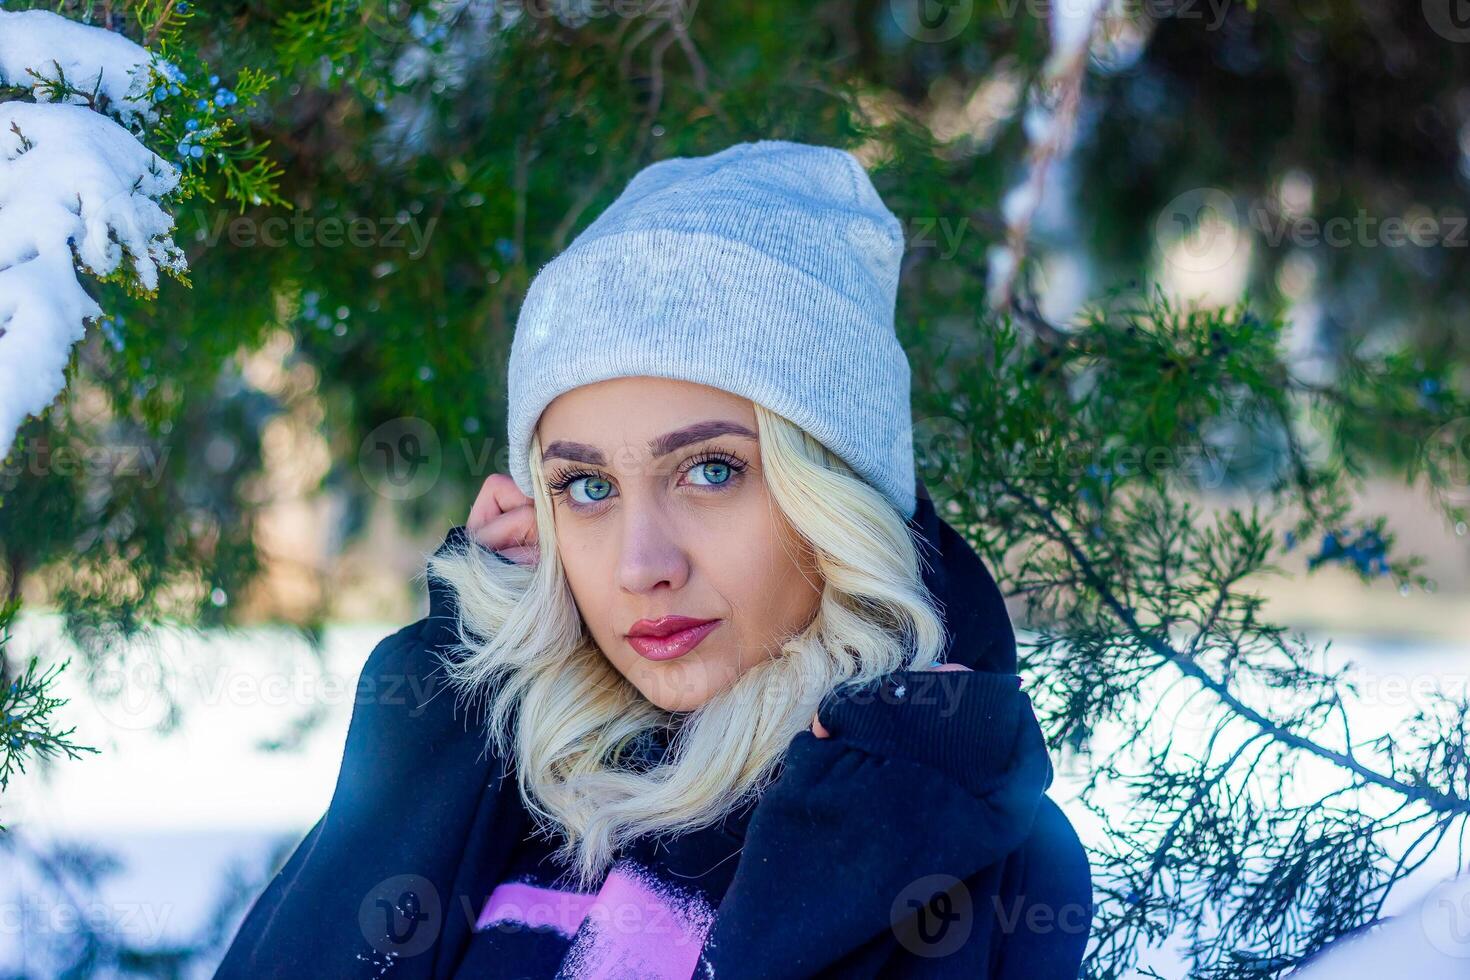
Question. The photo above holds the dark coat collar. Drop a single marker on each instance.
(980, 635)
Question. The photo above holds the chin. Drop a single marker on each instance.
(683, 684)
(669, 694)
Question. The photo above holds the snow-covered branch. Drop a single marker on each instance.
(42, 52)
(78, 192)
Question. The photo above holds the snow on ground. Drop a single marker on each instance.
(1429, 940)
(182, 810)
(1392, 682)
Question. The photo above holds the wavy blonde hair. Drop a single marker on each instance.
(564, 716)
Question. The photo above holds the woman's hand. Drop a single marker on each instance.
(504, 520)
(820, 730)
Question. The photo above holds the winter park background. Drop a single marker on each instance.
(1184, 293)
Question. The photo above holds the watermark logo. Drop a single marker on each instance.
(1202, 229)
(575, 13)
(402, 22)
(1446, 458)
(933, 916)
(133, 694)
(403, 231)
(401, 916)
(1199, 231)
(944, 455)
(873, 242)
(932, 21)
(1450, 19)
(1445, 918)
(401, 458)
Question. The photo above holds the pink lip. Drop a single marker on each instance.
(671, 644)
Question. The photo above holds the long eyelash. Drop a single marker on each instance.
(736, 464)
(565, 478)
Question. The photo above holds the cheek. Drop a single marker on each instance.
(797, 588)
(761, 573)
(587, 578)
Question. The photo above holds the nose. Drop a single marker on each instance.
(651, 554)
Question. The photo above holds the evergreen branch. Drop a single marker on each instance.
(1430, 797)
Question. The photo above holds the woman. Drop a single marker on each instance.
(706, 687)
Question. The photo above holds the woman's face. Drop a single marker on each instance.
(661, 510)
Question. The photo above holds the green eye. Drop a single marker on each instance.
(596, 489)
(714, 472)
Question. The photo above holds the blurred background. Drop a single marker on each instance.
(232, 500)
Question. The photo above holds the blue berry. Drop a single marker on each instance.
(160, 93)
(202, 104)
(214, 79)
(191, 125)
(196, 151)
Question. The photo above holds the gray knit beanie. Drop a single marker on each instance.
(768, 270)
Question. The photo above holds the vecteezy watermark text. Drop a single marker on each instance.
(307, 231)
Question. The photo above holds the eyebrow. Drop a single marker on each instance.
(663, 445)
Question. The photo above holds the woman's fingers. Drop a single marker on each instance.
(498, 494)
(514, 528)
(503, 519)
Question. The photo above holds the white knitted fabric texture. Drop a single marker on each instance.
(768, 270)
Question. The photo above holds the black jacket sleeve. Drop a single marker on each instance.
(929, 781)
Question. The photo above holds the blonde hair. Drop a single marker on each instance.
(563, 715)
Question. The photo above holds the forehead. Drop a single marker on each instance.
(633, 411)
